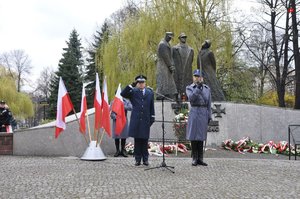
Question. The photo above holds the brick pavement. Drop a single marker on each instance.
(70, 177)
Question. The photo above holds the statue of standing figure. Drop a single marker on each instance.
(207, 63)
(165, 83)
(183, 56)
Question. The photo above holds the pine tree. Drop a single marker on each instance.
(69, 69)
(99, 38)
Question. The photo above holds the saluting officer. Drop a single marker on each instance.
(142, 117)
(199, 96)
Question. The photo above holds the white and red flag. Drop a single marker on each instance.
(119, 110)
(97, 104)
(82, 127)
(105, 109)
(64, 107)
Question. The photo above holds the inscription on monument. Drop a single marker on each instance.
(213, 126)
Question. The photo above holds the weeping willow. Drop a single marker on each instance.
(132, 50)
(19, 103)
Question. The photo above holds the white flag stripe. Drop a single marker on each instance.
(98, 92)
(118, 94)
(105, 90)
(62, 91)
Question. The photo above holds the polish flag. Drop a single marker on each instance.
(105, 109)
(118, 108)
(64, 107)
(97, 105)
(83, 109)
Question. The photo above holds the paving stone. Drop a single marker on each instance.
(56, 177)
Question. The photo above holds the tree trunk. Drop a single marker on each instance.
(296, 54)
(281, 93)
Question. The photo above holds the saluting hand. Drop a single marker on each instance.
(200, 85)
(133, 84)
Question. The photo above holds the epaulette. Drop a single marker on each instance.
(149, 88)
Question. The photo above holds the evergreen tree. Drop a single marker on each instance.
(99, 38)
(69, 66)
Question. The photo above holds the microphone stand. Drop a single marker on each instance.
(163, 164)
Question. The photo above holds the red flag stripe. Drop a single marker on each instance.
(118, 108)
(82, 128)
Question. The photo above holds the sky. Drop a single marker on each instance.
(42, 27)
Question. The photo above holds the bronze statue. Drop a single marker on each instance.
(207, 63)
(183, 56)
(165, 83)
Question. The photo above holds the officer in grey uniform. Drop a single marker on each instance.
(142, 117)
(199, 96)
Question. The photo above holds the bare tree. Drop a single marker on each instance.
(259, 46)
(43, 82)
(279, 63)
(17, 62)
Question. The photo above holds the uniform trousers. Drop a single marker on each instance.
(141, 149)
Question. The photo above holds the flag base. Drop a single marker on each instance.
(93, 152)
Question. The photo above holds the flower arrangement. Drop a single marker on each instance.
(129, 148)
(180, 123)
(157, 149)
(248, 145)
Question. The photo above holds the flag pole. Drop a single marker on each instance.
(97, 137)
(95, 134)
(79, 125)
(89, 129)
(101, 137)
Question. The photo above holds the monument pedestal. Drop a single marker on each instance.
(6, 143)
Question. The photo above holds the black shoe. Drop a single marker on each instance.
(137, 163)
(146, 163)
(200, 162)
(123, 153)
(117, 154)
(194, 162)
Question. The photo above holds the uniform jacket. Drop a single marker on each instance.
(124, 133)
(165, 83)
(200, 112)
(5, 116)
(142, 115)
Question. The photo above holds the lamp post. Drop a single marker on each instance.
(44, 103)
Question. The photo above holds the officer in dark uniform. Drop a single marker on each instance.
(199, 96)
(5, 116)
(142, 117)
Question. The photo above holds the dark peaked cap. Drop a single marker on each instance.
(2, 102)
(140, 78)
(198, 73)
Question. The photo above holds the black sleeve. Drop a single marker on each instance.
(127, 92)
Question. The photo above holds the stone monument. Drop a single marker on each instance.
(165, 83)
(206, 62)
(183, 56)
